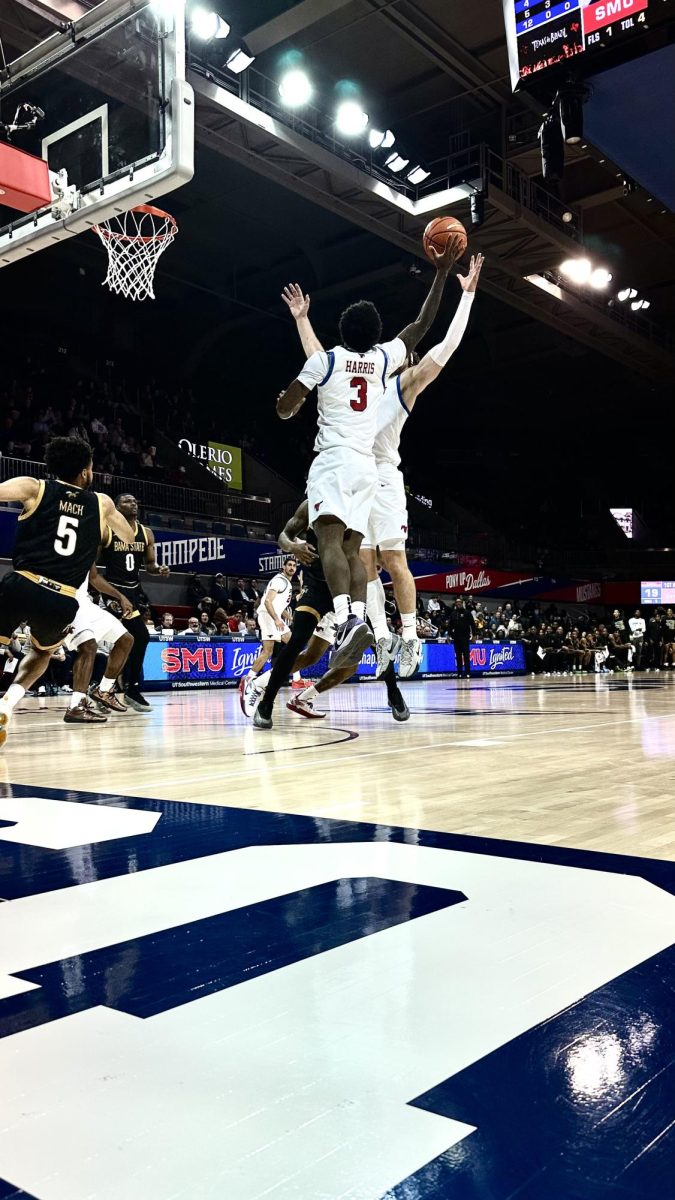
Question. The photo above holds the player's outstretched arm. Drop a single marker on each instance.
(291, 401)
(298, 306)
(23, 488)
(115, 520)
(415, 379)
(289, 538)
(415, 331)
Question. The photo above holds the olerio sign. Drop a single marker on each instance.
(222, 461)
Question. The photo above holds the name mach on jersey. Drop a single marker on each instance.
(350, 387)
(59, 538)
(123, 560)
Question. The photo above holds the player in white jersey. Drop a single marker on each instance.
(275, 601)
(92, 626)
(351, 379)
(388, 523)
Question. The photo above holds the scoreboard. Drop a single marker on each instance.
(544, 33)
(658, 591)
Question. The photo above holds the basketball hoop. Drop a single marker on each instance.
(134, 241)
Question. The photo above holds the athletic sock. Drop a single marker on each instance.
(409, 626)
(15, 692)
(342, 608)
(106, 684)
(75, 699)
(296, 677)
(251, 673)
(310, 693)
(375, 609)
(359, 609)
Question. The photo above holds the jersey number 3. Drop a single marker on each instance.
(66, 536)
(360, 400)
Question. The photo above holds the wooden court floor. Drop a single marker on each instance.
(581, 762)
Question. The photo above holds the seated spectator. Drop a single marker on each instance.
(219, 618)
(254, 592)
(206, 624)
(191, 629)
(433, 607)
(165, 628)
(251, 627)
(206, 605)
(195, 590)
(220, 592)
(240, 597)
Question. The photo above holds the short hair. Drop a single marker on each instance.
(67, 457)
(122, 495)
(360, 326)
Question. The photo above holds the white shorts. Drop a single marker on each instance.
(388, 524)
(268, 630)
(341, 483)
(94, 622)
(326, 628)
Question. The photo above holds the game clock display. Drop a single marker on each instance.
(543, 33)
(658, 591)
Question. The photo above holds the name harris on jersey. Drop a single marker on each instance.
(356, 366)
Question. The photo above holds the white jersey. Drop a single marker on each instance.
(392, 415)
(350, 388)
(280, 584)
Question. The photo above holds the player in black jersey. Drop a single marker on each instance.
(57, 538)
(313, 616)
(123, 561)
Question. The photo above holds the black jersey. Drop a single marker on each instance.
(58, 540)
(123, 560)
(315, 570)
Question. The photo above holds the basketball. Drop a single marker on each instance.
(439, 232)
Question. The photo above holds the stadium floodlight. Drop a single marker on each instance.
(640, 305)
(295, 88)
(577, 270)
(418, 175)
(239, 61)
(381, 139)
(395, 162)
(600, 278)
(350, 119)
(626, 294)
(207, 25)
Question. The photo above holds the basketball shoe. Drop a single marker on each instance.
(386, 650)
(83, 713)
(305, 706)
(411, 653)
(107, 700)
(351, 639)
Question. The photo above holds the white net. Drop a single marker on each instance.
(134, 241)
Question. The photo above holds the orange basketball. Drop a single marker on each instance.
(442, 230)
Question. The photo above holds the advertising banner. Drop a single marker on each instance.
(188, 662)
(208, 554)
(222, 461)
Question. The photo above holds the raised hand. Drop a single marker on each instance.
(469, 282)
(296, 300)
(454, 248)
(305, 553)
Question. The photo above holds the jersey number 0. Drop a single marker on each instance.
(360, 400)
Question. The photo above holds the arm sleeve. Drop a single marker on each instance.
(445, 349)
(396, 352)
(314, 370)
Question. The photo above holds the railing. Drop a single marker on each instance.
(163, 496)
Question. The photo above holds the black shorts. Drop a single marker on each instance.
(135, 596)
(48, 612)
(316, 599)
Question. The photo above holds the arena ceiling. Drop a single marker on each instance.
(437, 73)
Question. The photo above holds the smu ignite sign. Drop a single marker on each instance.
(188, 663)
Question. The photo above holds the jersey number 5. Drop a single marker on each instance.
(66, 536)
(360, 400)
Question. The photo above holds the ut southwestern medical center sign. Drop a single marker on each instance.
(191, 662)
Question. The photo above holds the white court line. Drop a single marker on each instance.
(285, 766)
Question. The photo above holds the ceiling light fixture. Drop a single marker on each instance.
(600, 278)
(628, 293)
(418, 175)
(395, 162)
(577, 270)
(239, 61)
(381, 139)
(207, 25)
(640, 305)
(295, 88)
(350, 119)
